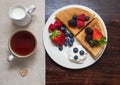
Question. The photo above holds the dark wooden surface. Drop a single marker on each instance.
(107, 70)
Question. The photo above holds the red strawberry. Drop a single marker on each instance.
(97, 35)
(58, 23)
(81, 17)
(80, 23)
(57, 37)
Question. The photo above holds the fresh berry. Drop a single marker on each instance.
(75, 57)
(65, 44)
(88, 30)
(66, 34)
(97, 35)
(67, 39)
(91, 44)
(60, 48)
(51, 28)
(75, 50)
(80, 23)
(70, 35)
(72, 39)
(81, 52)
(70, 43)
(72, 23)
(87, 18)
(81, 17)
(88, 37)
(63, 29)
(58, 37)
(58, 23)
(74, 17)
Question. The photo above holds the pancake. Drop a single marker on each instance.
(65, 15)
(96, 50)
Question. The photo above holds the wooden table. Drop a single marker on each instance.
(107, 70)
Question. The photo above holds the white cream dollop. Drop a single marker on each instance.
(71, 54)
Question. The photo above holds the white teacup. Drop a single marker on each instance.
(21, 15)
(21, 44)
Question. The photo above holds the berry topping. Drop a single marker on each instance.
(98, 38)
(60, 48)
(63, 29)
(57, 37)
(74, 17)
(65, 44)
(75, 57)
(87, 18)
(81, 17)
(72, 39)
(71, 35)
(67, 39)
(72, 23)
(88, 30)
(97, 35)
(80, 24)
(81, 52)
(66, 34)
(88, 37)
(70, 43)
(51, 28)
(91, 44)
(75, 50)
(58, 24)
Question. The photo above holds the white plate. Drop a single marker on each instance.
(60, 57)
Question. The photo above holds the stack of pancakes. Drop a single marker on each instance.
(65, 15)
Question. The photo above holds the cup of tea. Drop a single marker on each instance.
(21, 44)
(20, 14)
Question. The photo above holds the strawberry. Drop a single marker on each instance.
(97, 35)
(58, 37)
(98, 38)
(58, 23)
(81, 17)
(80, 23)
(51, 28)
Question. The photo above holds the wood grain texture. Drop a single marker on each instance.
(107, 70)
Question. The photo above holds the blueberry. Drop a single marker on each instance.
(62, 29)
(70, 43)
(87, 18)
(75, 57)
(66, 34)
(75, 50)
(65, 44)
(71, 35)
(88, 37)
(72, 23)
(67, 40)
(88, 30)
(81, 52)
(91, 44)
(74, 17)
(65, 30)
(72, 39)
(60, 48)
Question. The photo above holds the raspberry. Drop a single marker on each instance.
(58, 23)
(51, 28)
(80, 24)
(81, 17)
